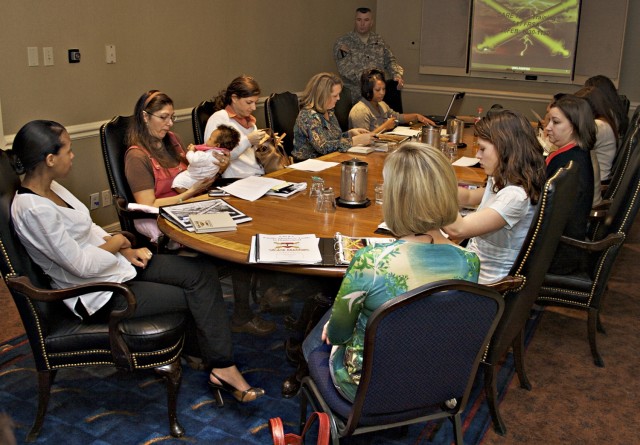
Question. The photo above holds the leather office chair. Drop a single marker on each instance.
(199, 117)
(406, 378)
(281, 111)
(586, 288)
(530, 266)
(114, 147)
(343, 107)
(59, 339)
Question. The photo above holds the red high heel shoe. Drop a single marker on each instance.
(248, 395)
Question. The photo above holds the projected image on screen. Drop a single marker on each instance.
(530, 37)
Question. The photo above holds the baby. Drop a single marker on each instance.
(202, 163)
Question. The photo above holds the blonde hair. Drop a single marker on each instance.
(420, 190)
(318, 91)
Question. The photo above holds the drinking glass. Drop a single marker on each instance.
(317, 185)
(326, 201)
(452, 151)
(379, 191)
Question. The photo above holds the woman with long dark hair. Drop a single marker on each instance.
(511, 156)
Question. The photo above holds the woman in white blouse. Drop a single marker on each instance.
(59, 235)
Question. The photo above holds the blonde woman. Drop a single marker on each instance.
(317, 131)
(420, 197)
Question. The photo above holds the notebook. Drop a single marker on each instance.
(452, 109)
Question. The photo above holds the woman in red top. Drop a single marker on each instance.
(154, 159)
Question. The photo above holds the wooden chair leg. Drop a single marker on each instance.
(599, 324)
(491, 391)
(592, 324)
(518, 358)
(457, 429)
(172, 374)
(45, 380)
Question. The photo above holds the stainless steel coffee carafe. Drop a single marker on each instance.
(353, 182)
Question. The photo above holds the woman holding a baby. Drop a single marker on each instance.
(235, 106)
(156, 158)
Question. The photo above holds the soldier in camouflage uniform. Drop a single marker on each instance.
(363, 49)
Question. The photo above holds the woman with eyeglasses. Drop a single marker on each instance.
(235, 105)
(156, 155)
(154, 159)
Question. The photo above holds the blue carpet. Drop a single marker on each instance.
(99, 406)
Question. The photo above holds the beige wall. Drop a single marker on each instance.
(192, 49)
(189, 49)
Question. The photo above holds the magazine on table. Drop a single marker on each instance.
(213, 222)
(347, 246)
(308, 249)
(179, 213)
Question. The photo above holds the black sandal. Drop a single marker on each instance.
(248, 395)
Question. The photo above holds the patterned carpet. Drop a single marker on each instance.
(100, 406)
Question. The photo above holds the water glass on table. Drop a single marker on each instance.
(379, 192)
(326, 202)
(317, 185)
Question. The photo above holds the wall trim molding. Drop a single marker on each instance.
(92, 129)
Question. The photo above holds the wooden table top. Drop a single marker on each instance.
(297, 215)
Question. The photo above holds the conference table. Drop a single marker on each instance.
(296, 214)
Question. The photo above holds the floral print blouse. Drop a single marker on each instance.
(377, 274)
(314, 135)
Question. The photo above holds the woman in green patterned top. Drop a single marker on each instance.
(420, 197)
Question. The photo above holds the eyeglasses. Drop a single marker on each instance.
(167, 118)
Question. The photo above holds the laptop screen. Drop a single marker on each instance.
(454, 105)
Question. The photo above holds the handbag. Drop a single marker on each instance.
(270, 152)
(280, 438)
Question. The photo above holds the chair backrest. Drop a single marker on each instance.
(423, 348)
(628, 146)
(199, 117)
(281, 111)
(554, 209)
(343, 107)
(14, 261)
(113, 139)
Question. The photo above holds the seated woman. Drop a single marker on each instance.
(606, 144)
(419, 199)
(57, 232)
(235, 106)
(317, 131)
(572, 129)
(371, 112)
(511, 156)
(155, 157)
(613, 100)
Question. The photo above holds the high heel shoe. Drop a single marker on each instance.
(248, 395)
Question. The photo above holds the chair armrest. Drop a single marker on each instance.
(506, 284)
(599, 212)
(594, 246)
(119, 349)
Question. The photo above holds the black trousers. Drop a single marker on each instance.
(177, 283)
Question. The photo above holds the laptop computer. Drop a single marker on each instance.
(452, 109)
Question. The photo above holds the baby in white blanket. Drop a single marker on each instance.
(202, 163)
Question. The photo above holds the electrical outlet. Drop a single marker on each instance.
(106, 198)
(94, 201)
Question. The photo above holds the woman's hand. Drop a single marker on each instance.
(255, 136)
(356, 131)
(200, 186)
(362, 138)
(221, 160)
(137, 257)
(425, 120)
(115, 243)
(325, 336)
